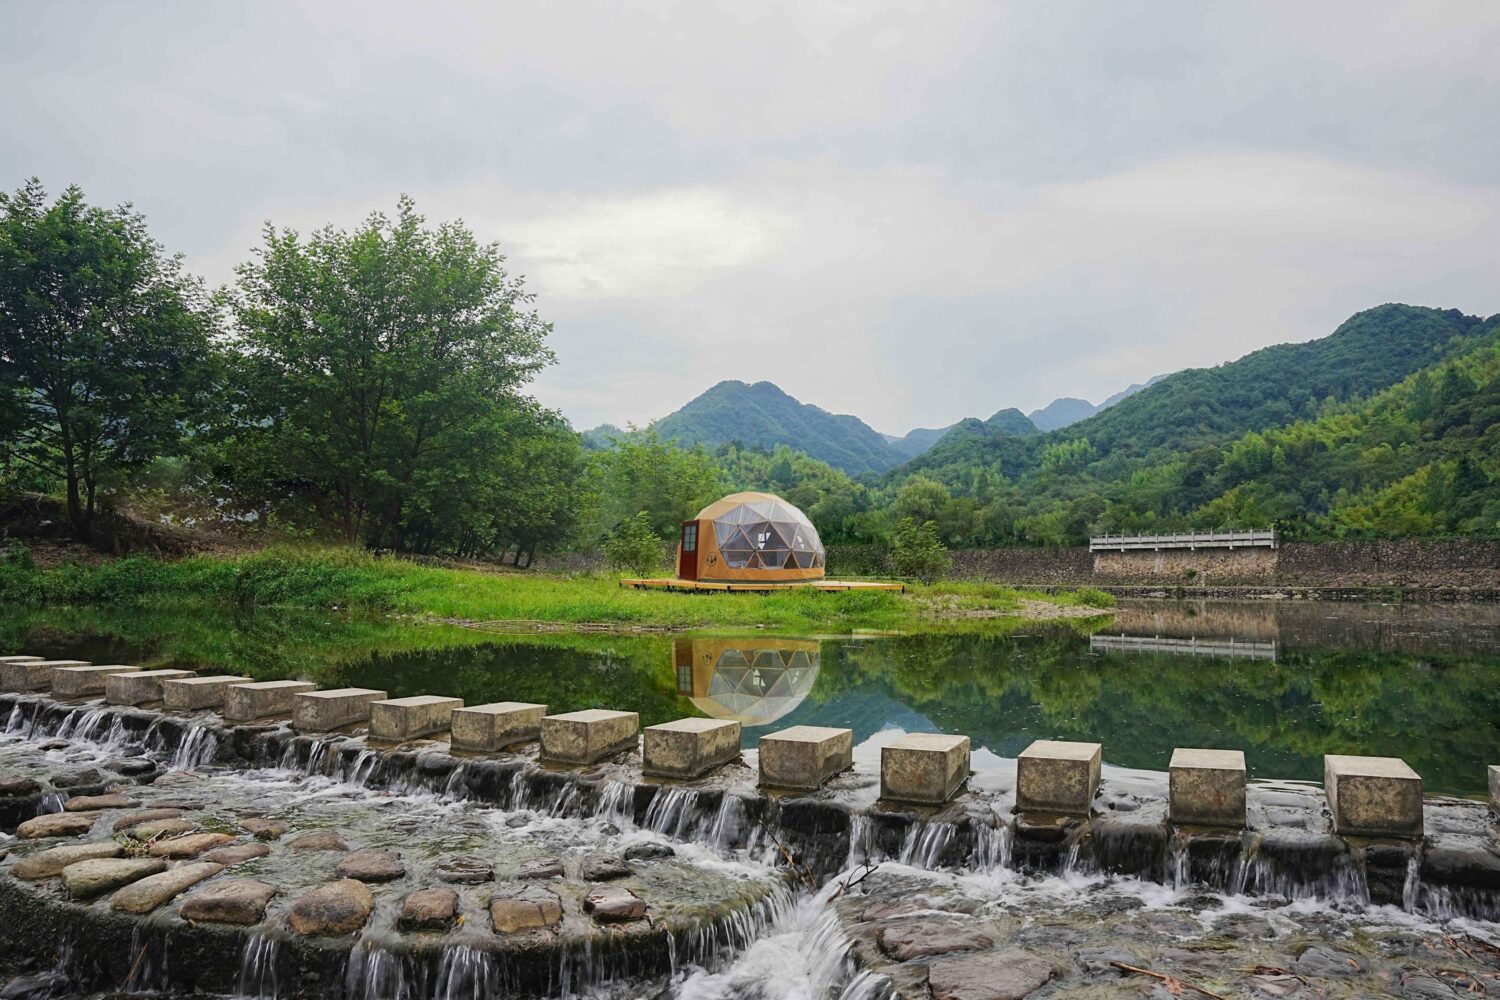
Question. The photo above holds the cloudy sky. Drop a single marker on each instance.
(910, 212)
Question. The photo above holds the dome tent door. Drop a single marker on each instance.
(687, 552)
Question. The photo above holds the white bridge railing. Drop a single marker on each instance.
(1265, 538)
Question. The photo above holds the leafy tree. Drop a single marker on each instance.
(634, 546)
(104, 345)
(381, 377)
(916, 551)
(643, 474)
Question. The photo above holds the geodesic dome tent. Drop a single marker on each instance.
(750, 537)
(753, 681)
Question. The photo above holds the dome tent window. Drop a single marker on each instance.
(750, 537)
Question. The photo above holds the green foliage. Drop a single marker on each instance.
(104, 347)
(378, 383)
(917, 552)
(643, 474)
(634, 547)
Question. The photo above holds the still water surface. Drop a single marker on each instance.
(1285, 682)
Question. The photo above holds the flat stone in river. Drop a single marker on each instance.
(45, 864)
(332, 909)
(236, 901)
(89, 878)
(154, 890)
(74, 824)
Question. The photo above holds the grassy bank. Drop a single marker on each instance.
(328, 579)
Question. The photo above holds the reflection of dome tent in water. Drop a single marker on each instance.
(755, 537)
(753, 681)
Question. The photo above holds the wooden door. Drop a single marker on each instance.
(687, 561)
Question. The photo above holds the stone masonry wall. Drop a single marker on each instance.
(1199, 568)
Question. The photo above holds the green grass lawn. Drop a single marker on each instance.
(332, 578)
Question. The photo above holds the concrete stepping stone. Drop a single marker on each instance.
(613, 904)
(588, 736)
(803, 757)
(399, 719)
(926, 768)
(332, 909)
(1207, 787)
(432, 909)
(464, 869)
(263, 699)
(22, 659)
(996, 975)
(192, 694)
(262, 828)
(539, 868)
(32, 675)
(234, 901)
(76, 682)
(84, 879)
(237, 855)
(144, 816)
(46, 864)
(371, 864)
(156, 890)
(689, 748)
(495, 726)
(602, 868)
(1373, 796)
(64, 824)
(94, 803)
(1058, 776)
(189, 846)
(325, 711)
(530, 909)
(161, 829)
(318, 840)
(141, 687)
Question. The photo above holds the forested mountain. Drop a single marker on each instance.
(762, 415)
(918, 440)
(1062, 412)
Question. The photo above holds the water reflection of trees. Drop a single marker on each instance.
(1440, 713)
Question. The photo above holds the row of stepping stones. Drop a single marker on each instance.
(159, 853)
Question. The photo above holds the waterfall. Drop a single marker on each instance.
(466, 973)
(992, 847)
(17, 721)
(259, 976)
(671, 812)
(376, 974)
(868, 986)
(925, 843)
(861, 840)
(198, 746)
(148, 970)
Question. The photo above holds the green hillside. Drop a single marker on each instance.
(763, 416)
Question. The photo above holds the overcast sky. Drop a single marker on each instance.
(909, 212)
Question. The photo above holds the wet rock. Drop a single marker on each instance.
(464, 869)
(911, 939)
(57, 825)
(1004, 975)
(319, 840)
(237, 855)
(144, 816)
(45, 864)
(89, 878)
(540, 868)
(132, 768)
(92, 803)
(373, 864)
(602, 868)
(262, 828)
(1461, 864)
(611, 904)
(1100, 961)
(190, 846)
(429, 909)
(161, 829)
(648, 852)
(78, 779)
(18, 786)
(236, 901)
(1323, 962)
(332, 909)
(155, 890)
(1423, 986)
(529, 909)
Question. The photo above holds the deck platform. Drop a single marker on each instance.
(760, 588)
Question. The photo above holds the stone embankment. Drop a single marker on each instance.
(183, 826)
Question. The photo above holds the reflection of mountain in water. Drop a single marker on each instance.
(753, 681)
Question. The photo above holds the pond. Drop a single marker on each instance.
(1285, 681)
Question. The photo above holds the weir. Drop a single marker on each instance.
(1058, 814)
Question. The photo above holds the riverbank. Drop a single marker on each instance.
(341, 579)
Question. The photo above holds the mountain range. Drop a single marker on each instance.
(763, 415)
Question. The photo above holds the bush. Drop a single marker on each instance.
(917, 552)
(634, 546)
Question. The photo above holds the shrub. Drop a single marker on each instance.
(916, 551)
(634, 546)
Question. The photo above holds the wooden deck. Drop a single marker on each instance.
(759, 588)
